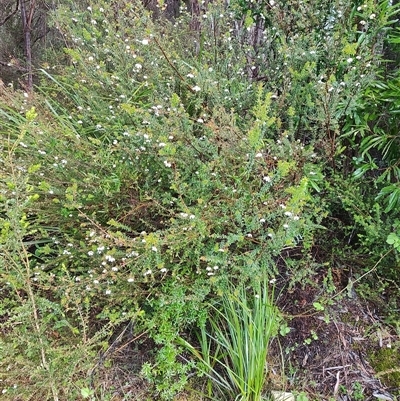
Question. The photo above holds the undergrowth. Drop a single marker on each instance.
(159, 165)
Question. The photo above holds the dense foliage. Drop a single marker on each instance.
(160, 163)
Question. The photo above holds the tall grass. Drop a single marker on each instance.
(233, 354)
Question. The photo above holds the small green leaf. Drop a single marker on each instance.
(392, 238)
(31, 114)
(86, 392)
(318, 306)
(284, 329)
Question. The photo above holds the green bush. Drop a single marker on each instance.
(157, 163)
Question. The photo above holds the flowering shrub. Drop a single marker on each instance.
(159, 163)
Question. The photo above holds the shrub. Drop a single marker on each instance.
(156, 164)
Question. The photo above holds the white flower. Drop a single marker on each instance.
(163, 270)
(349, 60)
(196, 88)
(162, 144)
(372, 16)
(138, 66)
(90, 253)
(110, 258)
(154, 248)
(145, 42)
(108, 292)
(258, 155)
(267, 178)
(285, 226)
(130, 280)
(190, 75)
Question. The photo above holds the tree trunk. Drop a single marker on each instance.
(27, 27)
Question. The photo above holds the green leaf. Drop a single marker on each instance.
(284, 329)
(318, 306)
(31, 114)
(86, 392)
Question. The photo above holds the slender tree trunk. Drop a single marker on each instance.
(26, 16)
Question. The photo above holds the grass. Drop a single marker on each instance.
(233, 354)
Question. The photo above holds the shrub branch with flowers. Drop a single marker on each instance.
(159, 164)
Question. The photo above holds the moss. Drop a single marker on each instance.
(386, 362)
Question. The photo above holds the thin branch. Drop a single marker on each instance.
(31, 12)
(172, 65)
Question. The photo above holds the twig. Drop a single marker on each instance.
(365, 274)
(336, 388)
(172, 65)
(336, 367)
